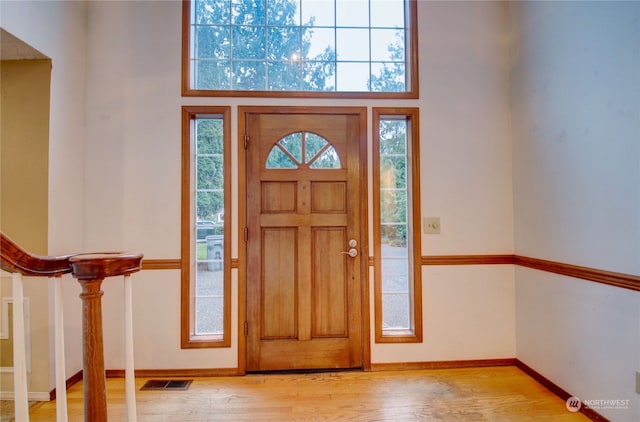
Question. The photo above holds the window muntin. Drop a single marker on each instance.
(315, 48)
(398, 308)
(206, 302)
(303, 149)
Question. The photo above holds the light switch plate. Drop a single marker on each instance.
(431, 225)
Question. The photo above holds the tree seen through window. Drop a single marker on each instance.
(299, 45)
(303, 149)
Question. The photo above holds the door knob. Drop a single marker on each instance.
(353, 252)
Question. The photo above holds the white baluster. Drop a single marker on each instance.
(129, 374)
(61, 377)
(19, 352)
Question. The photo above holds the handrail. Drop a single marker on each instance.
(17, 260)
(90, 270)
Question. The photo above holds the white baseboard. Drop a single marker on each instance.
(32, 395)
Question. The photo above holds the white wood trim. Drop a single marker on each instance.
(61, 377)
(130, 386)
(32, 396)
(21, 404)
(4, 329)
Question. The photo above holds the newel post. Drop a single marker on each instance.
(90, 270)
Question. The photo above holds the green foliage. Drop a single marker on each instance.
(201, 251)
(209, 169)
(315, 153)
(393, 181)
(261, 45)
(271, 57)
(392, 75)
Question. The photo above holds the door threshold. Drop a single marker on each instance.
(303, 371)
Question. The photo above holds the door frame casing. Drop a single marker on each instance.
(365, 262)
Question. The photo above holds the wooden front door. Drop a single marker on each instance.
(304, 297)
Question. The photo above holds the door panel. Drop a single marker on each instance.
(328, 197)
(304, 307)
(279, 283)
(329, 281)
(278, 197)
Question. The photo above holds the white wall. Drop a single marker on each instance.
(576, 157)
(116, 172)
(58, 30)
(465, 128)
(465, 156)
(132, 171)
(576, 125)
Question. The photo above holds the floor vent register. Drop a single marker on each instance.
(166, 385)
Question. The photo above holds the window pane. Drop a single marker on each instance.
(248, 42)
(209, 315)
(396, 311)
(381, 40)
(284, 43)
(387, 13)
(209, 137)
(210, 172)
(248, 75)
(248, 12)
(279, 160)
(393, 206)
(298, 45)
(395, 272)
(329, 159)
(283, 12)
(393, 172)
(394, 276)
(293, 144)
(284, 76)
(213, 74)
(353, 45)
(394, 235)
(393, 137)
(352, 13)
(209, 205)
(322, 12)
(388, 77)
(209, 12)
(313, 145)
(320, 43)
(319, 76)
(205, 228)
(213, 42)
(353, 76)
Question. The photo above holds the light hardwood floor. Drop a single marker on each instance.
(476, 394)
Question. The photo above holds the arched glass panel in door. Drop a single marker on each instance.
(303, 150)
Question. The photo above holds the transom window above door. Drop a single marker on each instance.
(313, 48)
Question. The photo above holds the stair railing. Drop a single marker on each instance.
(90, 270)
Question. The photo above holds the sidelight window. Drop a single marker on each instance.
(206, 301)
(398, 308)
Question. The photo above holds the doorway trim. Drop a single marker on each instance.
(361, 112)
